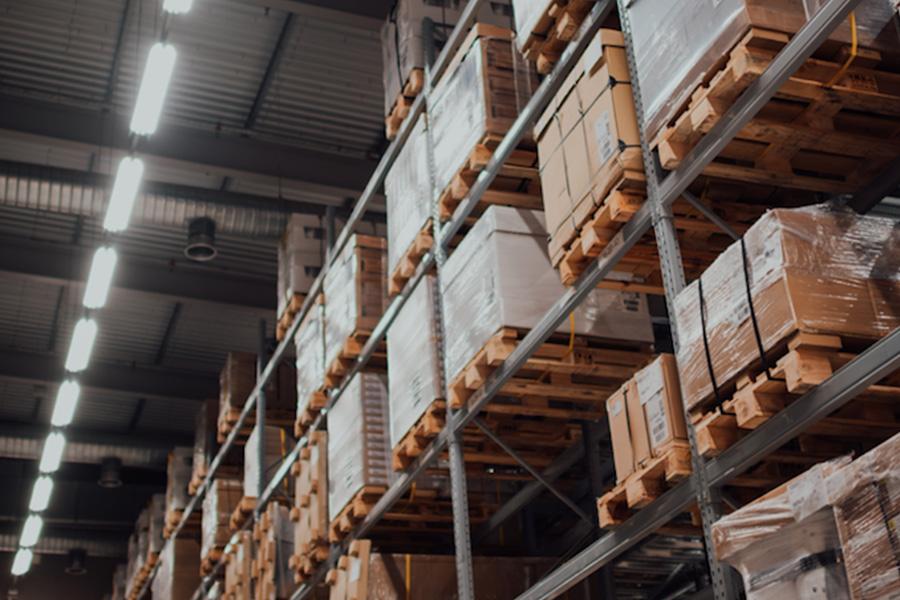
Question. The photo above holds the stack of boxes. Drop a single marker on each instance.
(299, 262)
(274, 537)
(310, 511)
(238, 568)
(310, 346)
(237, 380)
(178, 477)
(178, 574)
(219, 503)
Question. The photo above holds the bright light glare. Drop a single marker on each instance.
(40, 494)
(177, 7)
(154, 85)
(125, 189)
(31, 531)
(82, 345)
(22, 562)
(102, 268)
(53, 451)
(66, 401)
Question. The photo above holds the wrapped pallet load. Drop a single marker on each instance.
(310, 345)
(178, 575)
(236, 382)
(299, 261)
(277, 444)
(204, 442)
(814, 270)
(238, 568)
(220, 501)
(544, 28)
(275, 545)
(178, 477)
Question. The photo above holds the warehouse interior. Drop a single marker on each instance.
(275, 120)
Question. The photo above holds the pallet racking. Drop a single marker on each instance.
(703, 486)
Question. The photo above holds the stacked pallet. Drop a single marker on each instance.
(238, 565)
(179, 467)
(178, 575)
(470, 111)
(831, 128)
(310, 510)
(137, 566)
(274, 538)
(218, 505)
(299, 261)
(545, 27)
(237, 380)
(276, 446)
(204, 443)
(776, 314)
(826, 534)
(355, 297)
(310, 346)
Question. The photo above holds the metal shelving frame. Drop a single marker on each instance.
(709, 475)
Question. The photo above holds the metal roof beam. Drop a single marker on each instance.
(80, 435)
(366, 14)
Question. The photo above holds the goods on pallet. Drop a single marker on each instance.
(813, 270)
(238, 568)
(414, 379)
(500, 277)
(274, 538)
(220, 501)
(204, 442)
(592, 175)
(310, 510)
(470, 110)
(138, 547)
(299, 261)
(359, 453)
(277, 444)
(179, 571)
(545, 27)
(237, 380)
(178, 476)
(407, 188)
(355, 291)
(310, 345)
(404, 39)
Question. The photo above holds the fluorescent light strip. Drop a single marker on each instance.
(124, 193)
(40, 494)
(22, 562)
(66, 402)
(31, 531)
(82, 345)
(102, 268)
(177, 7)
(53, 452)
(154, 85)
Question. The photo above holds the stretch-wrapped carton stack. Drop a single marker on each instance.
(403, 38)
(311, 503)
(310, 345)
(359, 452)
(178, 476)
(299, 257)
(815, 269)
(156, 521)
(237, 380)
(679, 45)
(138, 543)
(275, 538)
(414, 377)
(277, 444)
(500, 276)
(204, 442)
(645, 416)
(178, 574)
(219, 503)
(238, 561)
(588, 140)
(355, 292)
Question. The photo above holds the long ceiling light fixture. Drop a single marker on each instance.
(130, 173)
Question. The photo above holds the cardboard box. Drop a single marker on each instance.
(219, 503)
(812, 269)
(278, 443)
(238, 378)
(238, 562)
(587, 138)
(620, 433)
(178, 574)
(178, 475)
(300, 252)
(310, 345)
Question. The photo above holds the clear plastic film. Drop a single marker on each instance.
(866, 500)
(355, 292)
(786, 545)
(219, 503)
(278, 443)
(178, 475)
(673, 60)
(310, 345)
(816, 269)
(282, 536)
(238, 568)
(359, 451)
(414, 377)
(178, 574)
(527, 14)
(407, 188)
(500, 276)
(299, 257)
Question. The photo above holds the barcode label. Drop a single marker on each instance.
(606, 144)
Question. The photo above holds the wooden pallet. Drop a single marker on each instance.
(815, 134)
(317, 401)
(274, 418)
(553, 31)
(808, 360)
(173, 517)
(310, 510)
(354, 512)
(143, 574)
(417, 439)
(410, 260)
(350, 351)
(672, 465)
(400, 110)
(287, 317)
(517, 184)
(242, 512)
(349, 580)
(209, 561)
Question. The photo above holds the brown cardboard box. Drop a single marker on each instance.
(179, 570)
(587, 138)
(620, 433)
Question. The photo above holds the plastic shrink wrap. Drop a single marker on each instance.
(178, 574)
(156, 521)
(403, 39)
(672, 60)
(407, 188)
(785, 544)
(414, 377)
(299, 257)
(814, 269)
(866, 500)
(219, 502)
(480, 94)
(204, 439)
(277, 444)
(238, 568)
(311, 495)
(355, 292)
(359, 452)
(276, 579)
(238, 378)
(500, 276)
(310, 345)
(178, 475)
